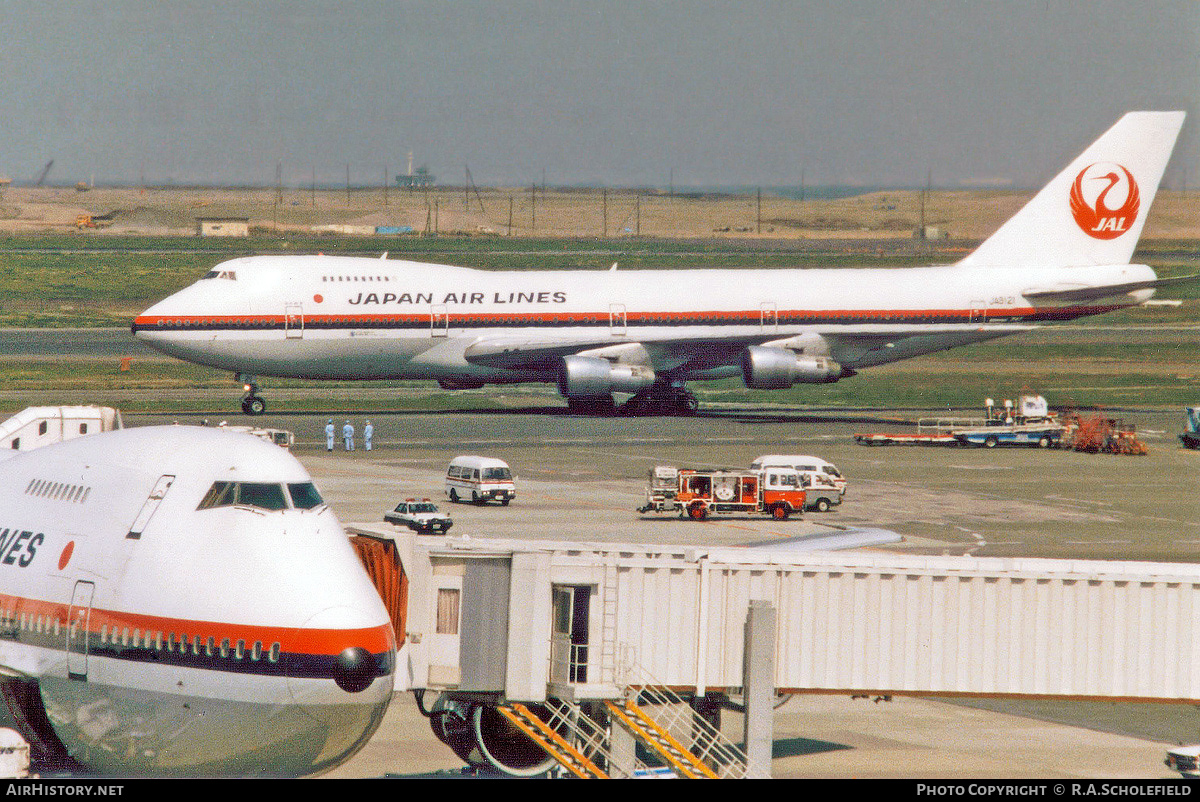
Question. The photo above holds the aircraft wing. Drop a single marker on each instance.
(669, 352)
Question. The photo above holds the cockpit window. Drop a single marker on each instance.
(262, 495)
(226, 274)
(221, 494)
(304, 495)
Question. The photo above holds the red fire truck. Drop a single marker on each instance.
(697, 494)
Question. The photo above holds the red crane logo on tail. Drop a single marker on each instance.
(1105, 200)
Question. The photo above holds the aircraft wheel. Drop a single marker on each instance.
(254, 405)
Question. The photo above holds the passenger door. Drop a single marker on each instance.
(78, 619)
(293, 321)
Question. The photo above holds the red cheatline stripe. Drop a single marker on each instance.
(754, 316)
(375, 639)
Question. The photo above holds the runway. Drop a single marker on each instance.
(582, 478)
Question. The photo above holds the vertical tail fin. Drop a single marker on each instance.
(1093, 212)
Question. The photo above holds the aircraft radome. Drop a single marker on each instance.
(179, 601)
(1065, 255)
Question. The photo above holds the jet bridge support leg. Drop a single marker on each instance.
(758, 686)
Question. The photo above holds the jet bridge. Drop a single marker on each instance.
(494, 622)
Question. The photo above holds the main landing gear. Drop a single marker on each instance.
(659, 399)
(252, 402)
(662, 399)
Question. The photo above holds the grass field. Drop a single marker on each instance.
(84, 281)
(89, 281)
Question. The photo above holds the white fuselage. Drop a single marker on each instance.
(355, 318)
(163, 637)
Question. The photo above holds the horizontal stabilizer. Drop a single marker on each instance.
(1070, 295)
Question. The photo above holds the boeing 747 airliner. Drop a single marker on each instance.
(1065, 255)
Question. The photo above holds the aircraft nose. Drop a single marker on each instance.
(348, 699)
(148, 325)
(360, 654)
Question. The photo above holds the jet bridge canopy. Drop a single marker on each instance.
(581, 618)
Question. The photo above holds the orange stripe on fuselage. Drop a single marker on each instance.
(748, 317)
(298, 640)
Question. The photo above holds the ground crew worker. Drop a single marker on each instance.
(348, 436)
(329, 435)
(368, 432)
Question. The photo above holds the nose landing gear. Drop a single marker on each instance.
(252, 402)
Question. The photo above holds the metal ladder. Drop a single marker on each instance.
(659, 739)
(558, 747)
(608, 625)
(711, 753)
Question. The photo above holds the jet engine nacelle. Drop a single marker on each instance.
(768, 368)
(481, 736)
(590, 376)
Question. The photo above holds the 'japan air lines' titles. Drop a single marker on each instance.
(386, 298)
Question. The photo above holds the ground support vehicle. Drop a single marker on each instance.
(420, 516)
(1040, 435)
(1191, 435)
(1029, 423)
(479, 480)
(814, 471)
(697, 494)
(821, 497)
(1100, 435)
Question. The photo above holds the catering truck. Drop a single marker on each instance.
(697, 493)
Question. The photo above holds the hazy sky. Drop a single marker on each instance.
(751, 92)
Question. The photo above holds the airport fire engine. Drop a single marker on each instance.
(698, 494)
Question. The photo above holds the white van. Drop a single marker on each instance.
(479, 479)
(817, 470)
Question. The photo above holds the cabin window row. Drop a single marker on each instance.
(355, 278)
(57, 491)
(28, 622)
(183, 644)
(150, 639)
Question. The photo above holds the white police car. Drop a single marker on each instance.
(1185, 760)
(420, 516)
